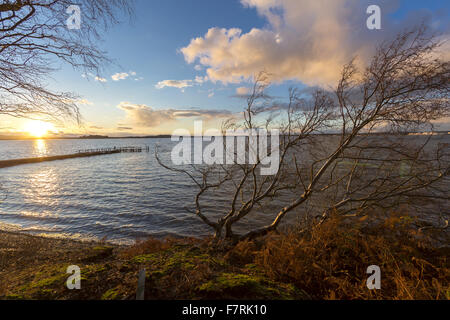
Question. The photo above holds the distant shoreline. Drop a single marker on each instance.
(83, 138)
(166, 136)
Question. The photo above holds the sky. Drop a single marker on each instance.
(179, 61)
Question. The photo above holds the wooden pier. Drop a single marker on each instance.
(79, 154)
(115, 150)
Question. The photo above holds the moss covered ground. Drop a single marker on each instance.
(175, 269)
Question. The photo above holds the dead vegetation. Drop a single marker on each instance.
(327, 261)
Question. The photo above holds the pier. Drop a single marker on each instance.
(115, 150)
(79, 154)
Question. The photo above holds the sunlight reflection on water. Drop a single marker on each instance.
(120, 196)
(40, 147)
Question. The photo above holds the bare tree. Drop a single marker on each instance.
(34, 37)
(346, 150)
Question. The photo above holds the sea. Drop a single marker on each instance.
(119, 197)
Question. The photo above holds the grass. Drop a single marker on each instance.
(325, 262)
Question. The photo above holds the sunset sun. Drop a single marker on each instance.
(38, 129)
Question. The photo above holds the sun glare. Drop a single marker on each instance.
(38, 129)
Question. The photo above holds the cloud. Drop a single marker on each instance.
(93, 76)
(145, 116)
(200, 79)
(124, 128)
(180, 84)
(100, 79)
(304, 40)
(120, 76)
(242, 91)
(96, 127)
(85, 102)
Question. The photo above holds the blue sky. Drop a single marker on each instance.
(149, 45)
(149, 50)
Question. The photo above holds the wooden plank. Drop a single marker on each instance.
(79, 154)
(140, 293)
(16, 162)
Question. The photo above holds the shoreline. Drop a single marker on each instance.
(34, 267)
(168, 136)
(17, 248)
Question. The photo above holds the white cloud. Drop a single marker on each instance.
(96, 78)
(100, 79)
(120, 76)
(180, 84)
(305, 40)
(200, 79)
(85, 102)
(124, 75)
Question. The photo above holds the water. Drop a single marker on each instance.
(122, 197)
